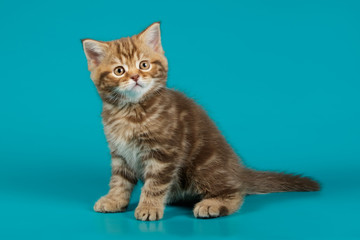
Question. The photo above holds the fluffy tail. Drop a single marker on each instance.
(268, 182)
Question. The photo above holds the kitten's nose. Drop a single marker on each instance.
(135, 77)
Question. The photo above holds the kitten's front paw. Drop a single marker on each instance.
(148, 213)
(108, 204)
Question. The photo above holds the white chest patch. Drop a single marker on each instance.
(130, 151)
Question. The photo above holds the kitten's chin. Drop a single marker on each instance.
(137, 89)
(136, 92)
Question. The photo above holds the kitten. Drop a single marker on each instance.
(161, 137)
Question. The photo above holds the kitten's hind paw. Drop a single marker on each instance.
(108, 205)
(209, 209)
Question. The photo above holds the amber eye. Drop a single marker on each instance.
(144, 65)
(119, 71)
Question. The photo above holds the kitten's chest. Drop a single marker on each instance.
(124, 139)
(131, 152)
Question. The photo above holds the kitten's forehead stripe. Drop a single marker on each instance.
(118, 48)
(126, 49)
(134, 48)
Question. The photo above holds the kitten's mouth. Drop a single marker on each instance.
(137, 85)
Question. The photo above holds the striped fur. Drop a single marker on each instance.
(166, 140)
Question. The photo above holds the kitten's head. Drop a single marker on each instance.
(128, 69)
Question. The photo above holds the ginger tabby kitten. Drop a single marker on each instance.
(161, 137)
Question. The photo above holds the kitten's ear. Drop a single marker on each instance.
(94, 51)
(152, 37)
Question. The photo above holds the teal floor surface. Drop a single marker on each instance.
(57, 204)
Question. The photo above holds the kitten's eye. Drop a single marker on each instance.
(144, 65)
(119, 71)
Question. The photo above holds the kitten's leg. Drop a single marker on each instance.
(158, 178)
(122, 183)
(218, 206)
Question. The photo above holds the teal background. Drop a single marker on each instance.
(280, 78)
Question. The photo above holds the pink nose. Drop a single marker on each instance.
(135, 77)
